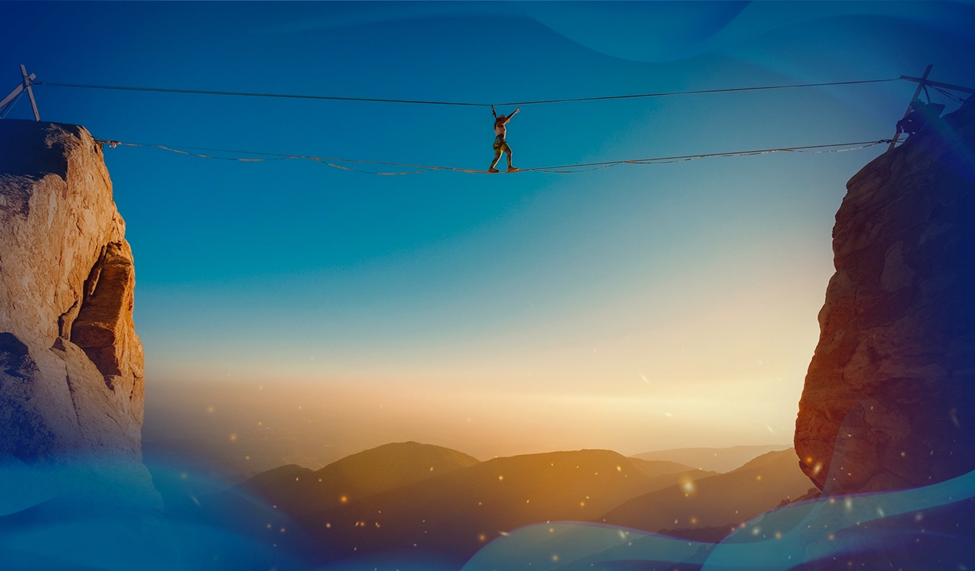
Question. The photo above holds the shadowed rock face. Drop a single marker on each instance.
(889, 398)
(71, 364)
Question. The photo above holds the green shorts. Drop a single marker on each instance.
(500, 145)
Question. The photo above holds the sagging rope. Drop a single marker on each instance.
(465, 104)
(557, 169)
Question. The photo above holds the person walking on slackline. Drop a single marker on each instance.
(500, 145)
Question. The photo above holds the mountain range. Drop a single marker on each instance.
(718, 500)
(716, 459)
(423, 498)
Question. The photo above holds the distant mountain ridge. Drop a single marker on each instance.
(714, 459)
(458, 513)
(388, 499)
(299, 490)
(720, 500)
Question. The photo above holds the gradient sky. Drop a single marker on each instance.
(633, 308)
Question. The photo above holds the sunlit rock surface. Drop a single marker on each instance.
(889, 398)
(71, 364)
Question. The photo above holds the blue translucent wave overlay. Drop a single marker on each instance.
(102, 515)
(920, 528)
(88, 514)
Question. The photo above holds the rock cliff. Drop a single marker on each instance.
(71, 364)
(889, 398)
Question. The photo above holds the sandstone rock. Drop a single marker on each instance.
(889, 398)
(71, 364)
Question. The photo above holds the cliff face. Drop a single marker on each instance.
(71, 364)
(889, 398)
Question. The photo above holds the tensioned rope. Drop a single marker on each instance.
(559, 169)
(9, 106)
(466, 104)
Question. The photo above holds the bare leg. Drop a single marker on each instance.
(494, 163)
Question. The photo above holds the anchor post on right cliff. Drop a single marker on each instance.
(918, 113)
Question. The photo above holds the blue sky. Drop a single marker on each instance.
(658, 284)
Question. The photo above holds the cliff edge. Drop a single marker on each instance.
(889, 398)
(71, 364)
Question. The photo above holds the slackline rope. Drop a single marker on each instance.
(465, 104)
(948, 95)
(559, 169)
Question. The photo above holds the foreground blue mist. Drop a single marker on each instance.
(86, 515)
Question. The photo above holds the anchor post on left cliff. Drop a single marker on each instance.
(25, 85)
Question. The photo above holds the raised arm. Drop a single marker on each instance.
(512, 115)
